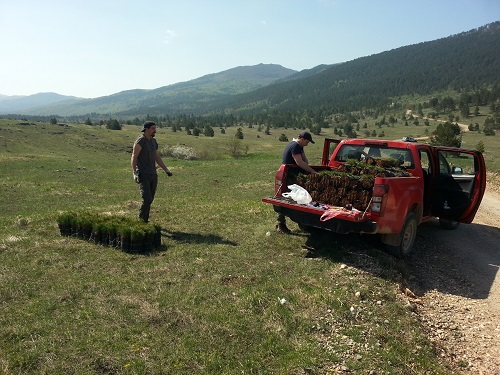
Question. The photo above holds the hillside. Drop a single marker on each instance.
(466, 60)
(176, 98)
(15, 104)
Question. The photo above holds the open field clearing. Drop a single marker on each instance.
(220, 296)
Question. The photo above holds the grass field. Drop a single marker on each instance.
(220, 297)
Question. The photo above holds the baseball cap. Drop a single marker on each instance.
(306, 135)
(149, 124)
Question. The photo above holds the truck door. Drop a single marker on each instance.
(328, 147)
(459, 184)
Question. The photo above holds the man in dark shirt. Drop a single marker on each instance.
(145, 156)
(294, 154)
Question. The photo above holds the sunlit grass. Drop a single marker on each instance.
(220, 297)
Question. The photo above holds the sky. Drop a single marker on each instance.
(94, 48)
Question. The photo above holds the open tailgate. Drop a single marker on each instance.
(334, 219)
(327, 212)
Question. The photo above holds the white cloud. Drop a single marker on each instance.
(168, 36)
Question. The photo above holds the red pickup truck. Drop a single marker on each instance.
(439, 182)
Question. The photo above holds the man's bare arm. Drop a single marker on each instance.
(302, 164)
(135, 153)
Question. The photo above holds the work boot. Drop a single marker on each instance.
(282, 228)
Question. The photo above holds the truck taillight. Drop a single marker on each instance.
(380, 190)
(378, 197)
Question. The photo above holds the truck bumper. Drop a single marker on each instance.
(310, 216)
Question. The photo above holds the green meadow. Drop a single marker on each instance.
(219, 297)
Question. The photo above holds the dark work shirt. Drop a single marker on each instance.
(146, 161)
(293, 148)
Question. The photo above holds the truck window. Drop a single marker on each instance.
(444, 167)
(456, 163)
(425, 162)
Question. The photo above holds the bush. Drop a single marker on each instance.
(283, 138)
(179, 152)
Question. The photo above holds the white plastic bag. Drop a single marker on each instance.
(298, 194)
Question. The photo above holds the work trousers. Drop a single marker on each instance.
(147, 188)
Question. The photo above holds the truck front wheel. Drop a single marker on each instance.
(401, 244)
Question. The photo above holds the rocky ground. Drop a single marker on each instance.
(453, 283)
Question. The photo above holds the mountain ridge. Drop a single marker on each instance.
(468, 59)
(228, 82)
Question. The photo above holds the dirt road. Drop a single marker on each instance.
(456, 276)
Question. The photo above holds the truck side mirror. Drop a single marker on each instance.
(456, 170)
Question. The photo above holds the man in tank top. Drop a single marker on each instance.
(145, 157)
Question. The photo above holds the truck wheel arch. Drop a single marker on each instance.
(401, 244)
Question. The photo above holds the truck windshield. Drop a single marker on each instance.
(361, 153)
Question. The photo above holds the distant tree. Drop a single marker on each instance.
(239, 134)
(208, 131)
(488, 130)
(448, 104)
(348, 129)
(283, 138)
(316, 129)
(480, 146)
(53, 121)
(267, 131)
(434, 102)
(196, 131)
(88, 122)
(446, 135)
(113, 124)
(234, 147)
(464, 109)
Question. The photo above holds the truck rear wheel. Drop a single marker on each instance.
(448, 224)
(400, 245)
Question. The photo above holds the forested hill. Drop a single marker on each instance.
(466, 60)
(183, 97)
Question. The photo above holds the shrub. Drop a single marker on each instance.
(179, 152)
